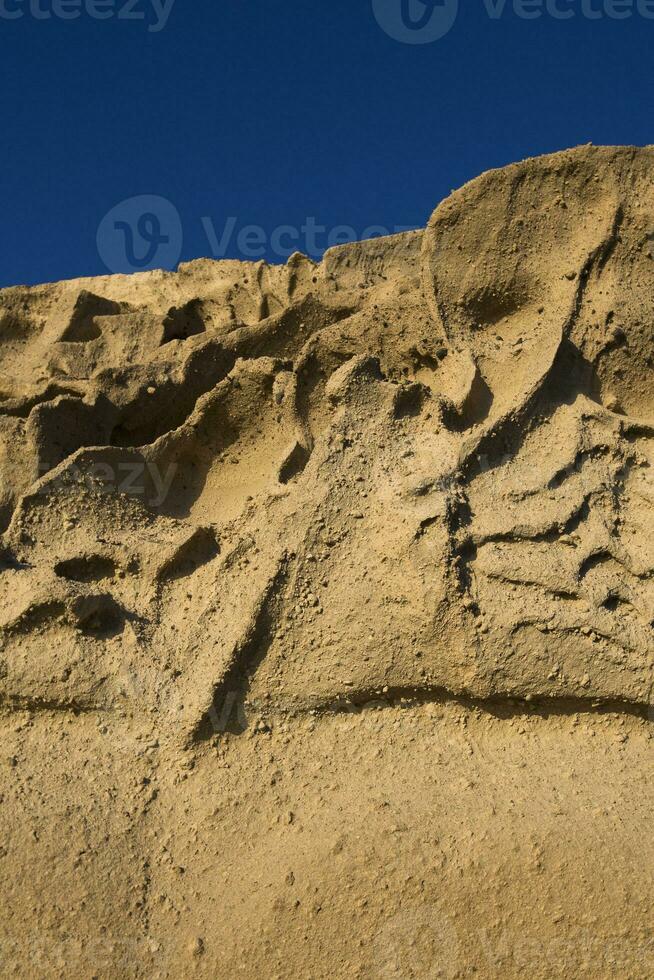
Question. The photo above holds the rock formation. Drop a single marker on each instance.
(327, 598)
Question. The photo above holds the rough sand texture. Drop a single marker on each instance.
(327, 598)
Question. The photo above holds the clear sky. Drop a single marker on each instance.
(218, 115)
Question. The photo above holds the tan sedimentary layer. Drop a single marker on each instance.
(326, 601)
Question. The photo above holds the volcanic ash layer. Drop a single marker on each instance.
(327, 601)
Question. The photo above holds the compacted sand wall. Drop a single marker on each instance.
(327, 598)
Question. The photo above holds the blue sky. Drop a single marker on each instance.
(227, 120)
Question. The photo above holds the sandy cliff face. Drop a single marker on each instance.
(326, 601)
